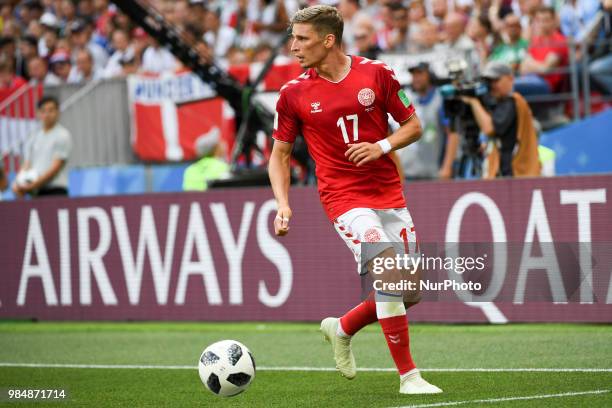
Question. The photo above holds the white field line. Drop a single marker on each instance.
(493, 400)
(316, 369)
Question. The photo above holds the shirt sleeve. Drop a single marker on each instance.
(397, 102)
(286, 122)
(62, 147)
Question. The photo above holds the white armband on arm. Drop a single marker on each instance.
(384, 145)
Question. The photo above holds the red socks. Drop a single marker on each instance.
(395, 330)
(360, 316)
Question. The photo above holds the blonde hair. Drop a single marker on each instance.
(324, 19)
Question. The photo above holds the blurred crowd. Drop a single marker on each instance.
(71, 41)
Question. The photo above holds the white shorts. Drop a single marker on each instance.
(369, 226)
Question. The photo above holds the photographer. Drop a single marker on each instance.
(512, 149)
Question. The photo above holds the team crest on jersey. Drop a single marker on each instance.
(366, 97)
(316, 107)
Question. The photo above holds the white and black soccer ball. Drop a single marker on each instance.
(227, 368)
(25, 177)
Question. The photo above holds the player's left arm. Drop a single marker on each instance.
(408, 132)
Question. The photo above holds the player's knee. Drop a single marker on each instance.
(412, 296)
(408, 305)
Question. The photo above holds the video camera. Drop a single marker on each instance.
(456, 86)
(459, 113)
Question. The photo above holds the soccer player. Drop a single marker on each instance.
(340, 105)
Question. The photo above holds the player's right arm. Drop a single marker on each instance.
(279, 168)
(279, 171)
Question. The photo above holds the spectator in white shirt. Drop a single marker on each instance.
(60, 64)
(84, 69)
(269, 19)
(439, 10)
(80, 38)
(454, 29)
(44, 171)
(48, 41)
(129, 65)
(121, 44)
(349, 9)
(219, 37)
(39, 73)
(158, 59)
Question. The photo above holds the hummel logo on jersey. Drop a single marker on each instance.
(315, 107)
(394, 338)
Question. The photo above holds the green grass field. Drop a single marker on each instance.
(456, 347)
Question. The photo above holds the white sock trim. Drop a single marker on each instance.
(340, 331)
(413, 372)
(385, 309)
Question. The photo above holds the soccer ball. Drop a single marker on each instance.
(25, 177)
(226, 368)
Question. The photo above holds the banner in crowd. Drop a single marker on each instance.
(17, 117)
(173, 113)
(214, 255)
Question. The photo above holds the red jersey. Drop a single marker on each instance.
(540, 47)
(332, 115)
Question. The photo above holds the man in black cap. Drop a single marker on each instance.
(508, 121)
